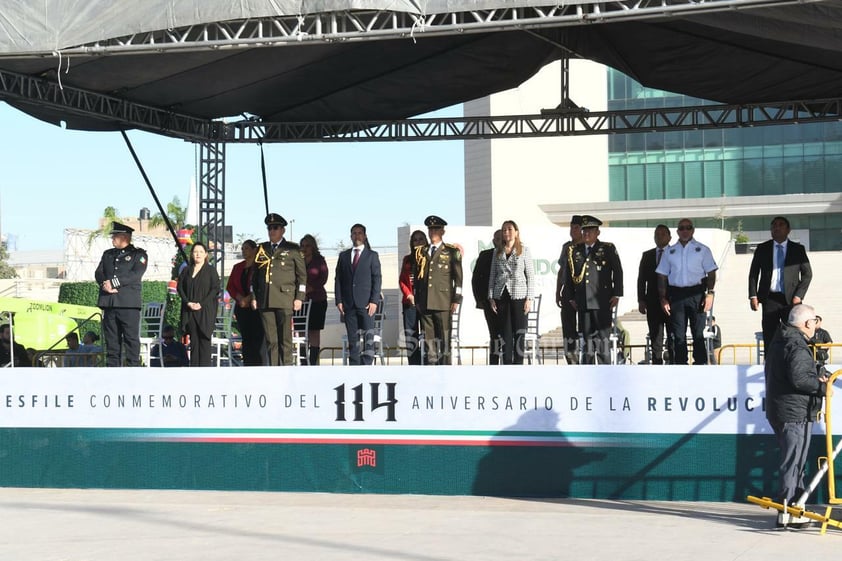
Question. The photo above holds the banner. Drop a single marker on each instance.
(400, 404)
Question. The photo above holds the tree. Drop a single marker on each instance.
(6, 270)
(176, 214)
(109, 215)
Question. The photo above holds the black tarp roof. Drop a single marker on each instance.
(778, 53)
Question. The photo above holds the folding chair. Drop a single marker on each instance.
(455, 342)
(300, 333)
(221, 341)
(533, 335)
(151, 324)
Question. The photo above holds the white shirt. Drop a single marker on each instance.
(774, 285)
(686, 265)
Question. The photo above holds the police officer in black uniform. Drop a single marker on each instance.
(280, 283)
(119, 276)
(596, 275)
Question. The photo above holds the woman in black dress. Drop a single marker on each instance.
(248, 319)
(198, 286)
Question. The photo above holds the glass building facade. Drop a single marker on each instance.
(767, 160)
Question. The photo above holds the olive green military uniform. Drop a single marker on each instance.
(438, 285)
(280, 279)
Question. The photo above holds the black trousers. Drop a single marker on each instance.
(570, 333)
(411, 330)
(251, 330)
(658, 322)
(493, 333)
(686, 308)
(775, 311)
(511, 323)
(200, 345)
(121, 328)
(596, 328)
(357, 320)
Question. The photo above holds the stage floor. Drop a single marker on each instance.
(61, 524)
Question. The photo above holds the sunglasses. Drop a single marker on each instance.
(684, 228)
(274, 227)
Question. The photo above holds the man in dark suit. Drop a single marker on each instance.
(564, 293)
(119, 277)
(438, 290)
(596, 275)
(280, 282)
(648, 301)
(479, 286)
(778, 278)
(357, 289)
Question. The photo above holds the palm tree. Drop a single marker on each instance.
(109, 215)
(176, 214)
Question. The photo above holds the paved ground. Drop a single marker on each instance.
(48, 524)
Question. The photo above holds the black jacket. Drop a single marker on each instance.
(793, 390)
(124, 268)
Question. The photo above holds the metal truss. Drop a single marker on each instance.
(566, 121)
(85, 103)
(357, 25)
(563, 122)
(212, 201)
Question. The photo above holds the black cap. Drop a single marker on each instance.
(117, 228)
(576, 219)
(273, 219)
(434, 221)
(589, 221)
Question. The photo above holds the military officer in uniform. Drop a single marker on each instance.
(438, 290)
(596, 275)
(280, 283)
(119, 276)
(564, 293)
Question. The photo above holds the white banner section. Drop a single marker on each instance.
(400, 404)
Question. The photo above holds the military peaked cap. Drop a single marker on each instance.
(589, 221)
(434, 221)
(576, 219)
(117, 228)
(273, 219)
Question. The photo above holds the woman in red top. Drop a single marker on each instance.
(317, 272)
(248, 319)
(411, 326)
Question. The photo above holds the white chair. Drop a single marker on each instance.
(533, 335)
(379, 317)
(221, 341)
(455, 342)
(151, 324)
(300, 334)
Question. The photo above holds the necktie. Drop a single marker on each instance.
(356, 259)
(658, 258)
(780, 258)
(587, 252)
(274, 247)
(432, 250)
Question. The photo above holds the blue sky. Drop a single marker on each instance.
(53, 179)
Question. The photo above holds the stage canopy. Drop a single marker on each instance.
(336, 60)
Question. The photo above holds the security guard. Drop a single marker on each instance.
(596, 275)
(438, 290)
(119, 276)
(279, 286)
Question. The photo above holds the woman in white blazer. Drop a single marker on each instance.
(511, 288)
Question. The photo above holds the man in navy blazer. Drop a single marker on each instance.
(766, 287)
(357, 289)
